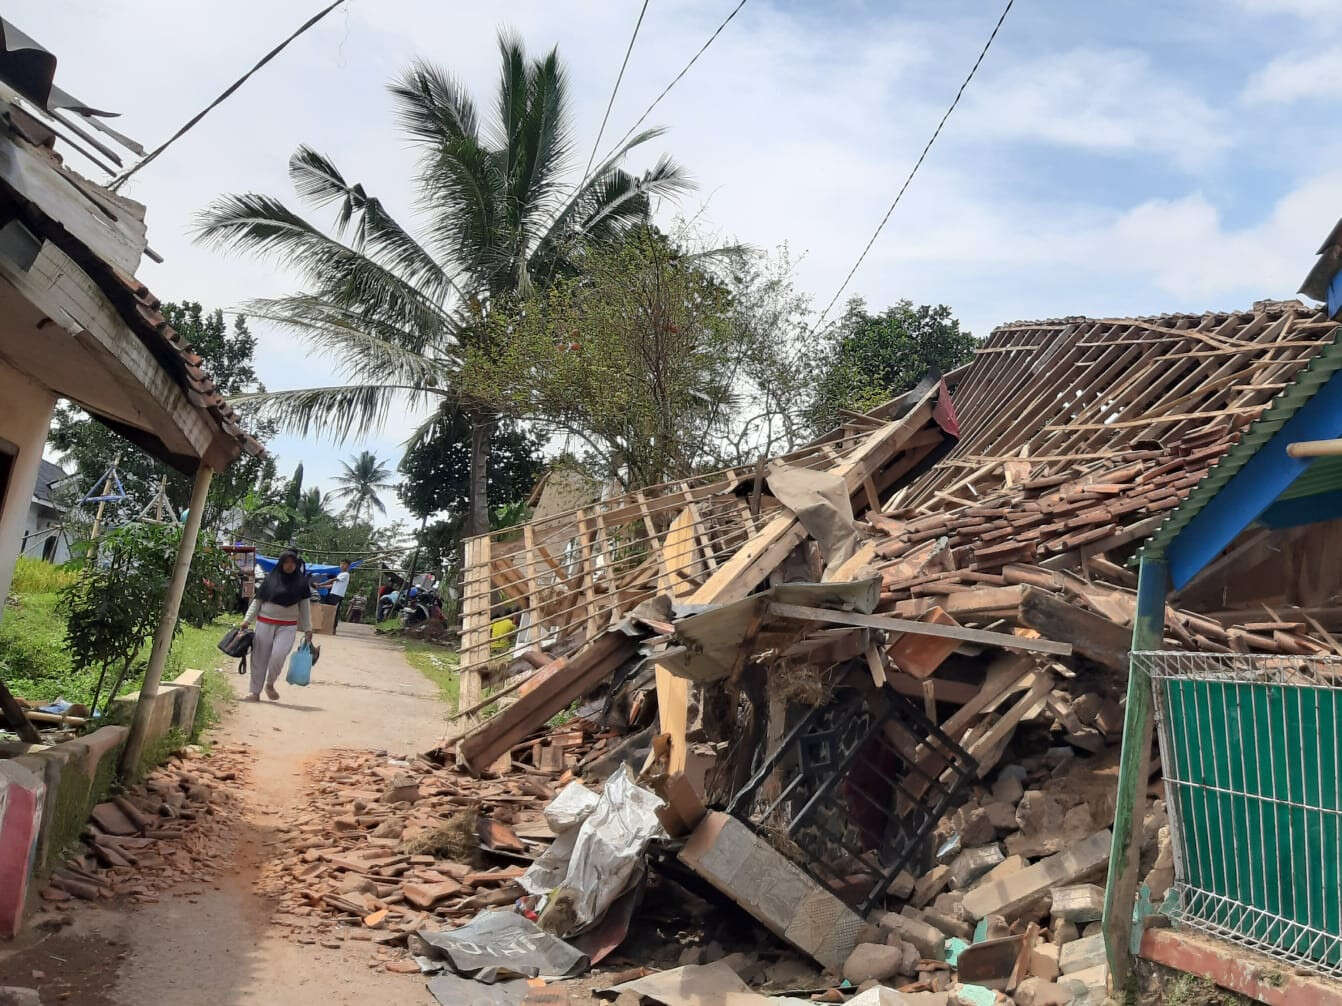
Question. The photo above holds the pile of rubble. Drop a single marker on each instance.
(875, 687)
(179, 822)
(388, 846)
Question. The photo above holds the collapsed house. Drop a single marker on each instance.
(851, 649)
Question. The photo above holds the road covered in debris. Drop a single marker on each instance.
(187, 922)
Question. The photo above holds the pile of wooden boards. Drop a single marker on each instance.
(173, 830)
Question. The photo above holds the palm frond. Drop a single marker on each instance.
(336, 411)
(266, 227)
(619, 199)
(318, 181)
(513, 87)
(433, 106)
(313, 317)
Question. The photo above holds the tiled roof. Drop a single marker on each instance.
(47, 473)
(140, 308)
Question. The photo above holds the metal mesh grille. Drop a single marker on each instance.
(1253, 777)
(853, 790)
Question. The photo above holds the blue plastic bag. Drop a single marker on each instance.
(300, 666)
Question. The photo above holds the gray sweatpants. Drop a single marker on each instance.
(270, 649)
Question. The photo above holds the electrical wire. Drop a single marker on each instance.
(903, 188)
(120, 179)
(616, 89)
(675, 80)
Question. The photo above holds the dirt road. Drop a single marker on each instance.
(214, 946)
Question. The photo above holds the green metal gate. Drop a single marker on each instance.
(1253, 776)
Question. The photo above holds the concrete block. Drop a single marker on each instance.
(775, 891)
(77, 774)
(1088, 986)
(930, 884)
(185, 692)
(1044, 961)
(1079, 903)
(1001, 814)
(1021, 889)
(1038, 992)
(902, 886)
(21, 796)
(971, 864)
(873, 961)
(1004, 869)
(1082, 954)
(1008, 788)
(930, 941)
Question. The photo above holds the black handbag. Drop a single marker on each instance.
(238, 643)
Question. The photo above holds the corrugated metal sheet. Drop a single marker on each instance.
(1279, 412)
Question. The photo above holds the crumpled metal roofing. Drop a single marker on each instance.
(1285, 405)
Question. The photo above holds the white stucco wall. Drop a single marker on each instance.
(25, 416)
(38, 528)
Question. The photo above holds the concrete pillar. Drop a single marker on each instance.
(158, 656)
(25, 417)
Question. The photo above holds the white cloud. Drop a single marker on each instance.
(1325, 10)
(1296, 75)
(1111, 101)
(799, 124)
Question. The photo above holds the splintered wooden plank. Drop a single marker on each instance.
(679, 555)
(569, 679)
(1093, 636)
(1003, 639)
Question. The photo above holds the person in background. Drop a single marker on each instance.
(280, 610)
(338, 585)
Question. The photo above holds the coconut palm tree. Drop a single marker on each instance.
(312, 508)
(396, 312)
(358, 484)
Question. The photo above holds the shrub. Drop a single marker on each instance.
(113, 607)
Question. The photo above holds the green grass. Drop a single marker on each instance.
(437, 663)
(216, 696)
(37, 665)
(33, 576)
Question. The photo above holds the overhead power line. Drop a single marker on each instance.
(121, 178)
(677, 78)
(903, 188)
(616, 89)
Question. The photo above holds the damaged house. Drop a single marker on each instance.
(880, 690)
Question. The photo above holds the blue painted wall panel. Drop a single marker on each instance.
(1254, 486)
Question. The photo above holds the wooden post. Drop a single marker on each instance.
(475, 608)
(107, 488)
(1134, 767)
(172, 602)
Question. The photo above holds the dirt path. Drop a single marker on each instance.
(216, 947)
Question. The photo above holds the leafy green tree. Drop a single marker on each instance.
(359, 480)
(436, 471)
(90, 447)
(395, 311)
(312, 509)
(290, 503)
(112, 609)
(869, 358)
(637, 358)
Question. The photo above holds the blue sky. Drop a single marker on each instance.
(1109, 159)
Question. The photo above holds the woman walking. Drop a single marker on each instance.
(280, 609)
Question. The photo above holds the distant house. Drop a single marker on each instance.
(45, 517)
